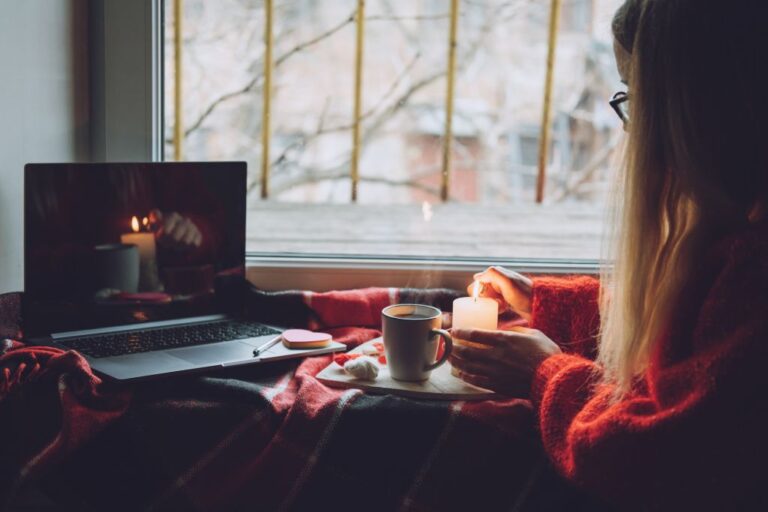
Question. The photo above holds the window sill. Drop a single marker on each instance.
(322, 273)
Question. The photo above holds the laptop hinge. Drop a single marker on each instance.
(138, 327)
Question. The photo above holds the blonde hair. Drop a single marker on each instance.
(695, 166)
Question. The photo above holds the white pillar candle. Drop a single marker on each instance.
(145, 241)
(475, 313)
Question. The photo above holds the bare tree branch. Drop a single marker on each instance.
(311, 42)
(290, 174)
(586, 174)
(312, 177)
(257, 80)
(323, 130)
(408, 18)
(368, 133)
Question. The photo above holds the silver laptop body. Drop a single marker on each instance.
(139, 303)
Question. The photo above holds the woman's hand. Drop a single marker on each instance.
(502, 361)
(510, 289)
(176, 231)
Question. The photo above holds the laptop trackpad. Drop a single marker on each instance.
(215, 353)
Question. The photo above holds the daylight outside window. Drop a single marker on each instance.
(308, 200)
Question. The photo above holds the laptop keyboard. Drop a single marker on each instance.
(133, 342)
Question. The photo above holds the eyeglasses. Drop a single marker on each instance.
(620, 104)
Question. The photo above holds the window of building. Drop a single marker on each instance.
(305, 197)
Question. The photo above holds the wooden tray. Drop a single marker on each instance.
(440, 386)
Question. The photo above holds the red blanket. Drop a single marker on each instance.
(268, 437)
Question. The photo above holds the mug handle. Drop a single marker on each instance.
(446, 353)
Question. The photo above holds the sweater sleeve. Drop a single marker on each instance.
(691, 435)
(566, 309)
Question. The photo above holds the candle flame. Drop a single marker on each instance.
(145, 221)
(135, 224)
(426, 211)
(476, 290)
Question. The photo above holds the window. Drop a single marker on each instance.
(305, 196)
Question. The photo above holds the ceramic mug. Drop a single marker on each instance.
(411, 339)
(115, 267)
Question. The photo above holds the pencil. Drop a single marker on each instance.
(271, 343)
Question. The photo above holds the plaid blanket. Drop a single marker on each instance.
(269, 437)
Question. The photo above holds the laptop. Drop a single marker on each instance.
(137, 267)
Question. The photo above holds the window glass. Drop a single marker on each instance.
(498, 98)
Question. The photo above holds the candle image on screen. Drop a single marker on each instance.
(145, 241)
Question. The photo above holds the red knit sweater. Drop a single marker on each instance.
(694, 434)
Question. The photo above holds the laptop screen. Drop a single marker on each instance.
(129, 243)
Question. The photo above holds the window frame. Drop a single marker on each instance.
(326, 272)
(126, 80)
(127, 124)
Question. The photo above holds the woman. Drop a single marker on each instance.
(672, 412)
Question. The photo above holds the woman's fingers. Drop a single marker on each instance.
(192, 233)
(496, 273)
(180, 231)
(490, 338)
(488, 292)
(522, 329)
(516, 289)
(487, 337)
(503, 361)
(155, 216)
(170, 223)
(473, 367)
(493, 280)
(169, 228)
(177, 231)
(502, 284)
(477, 380)
(470, 353)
